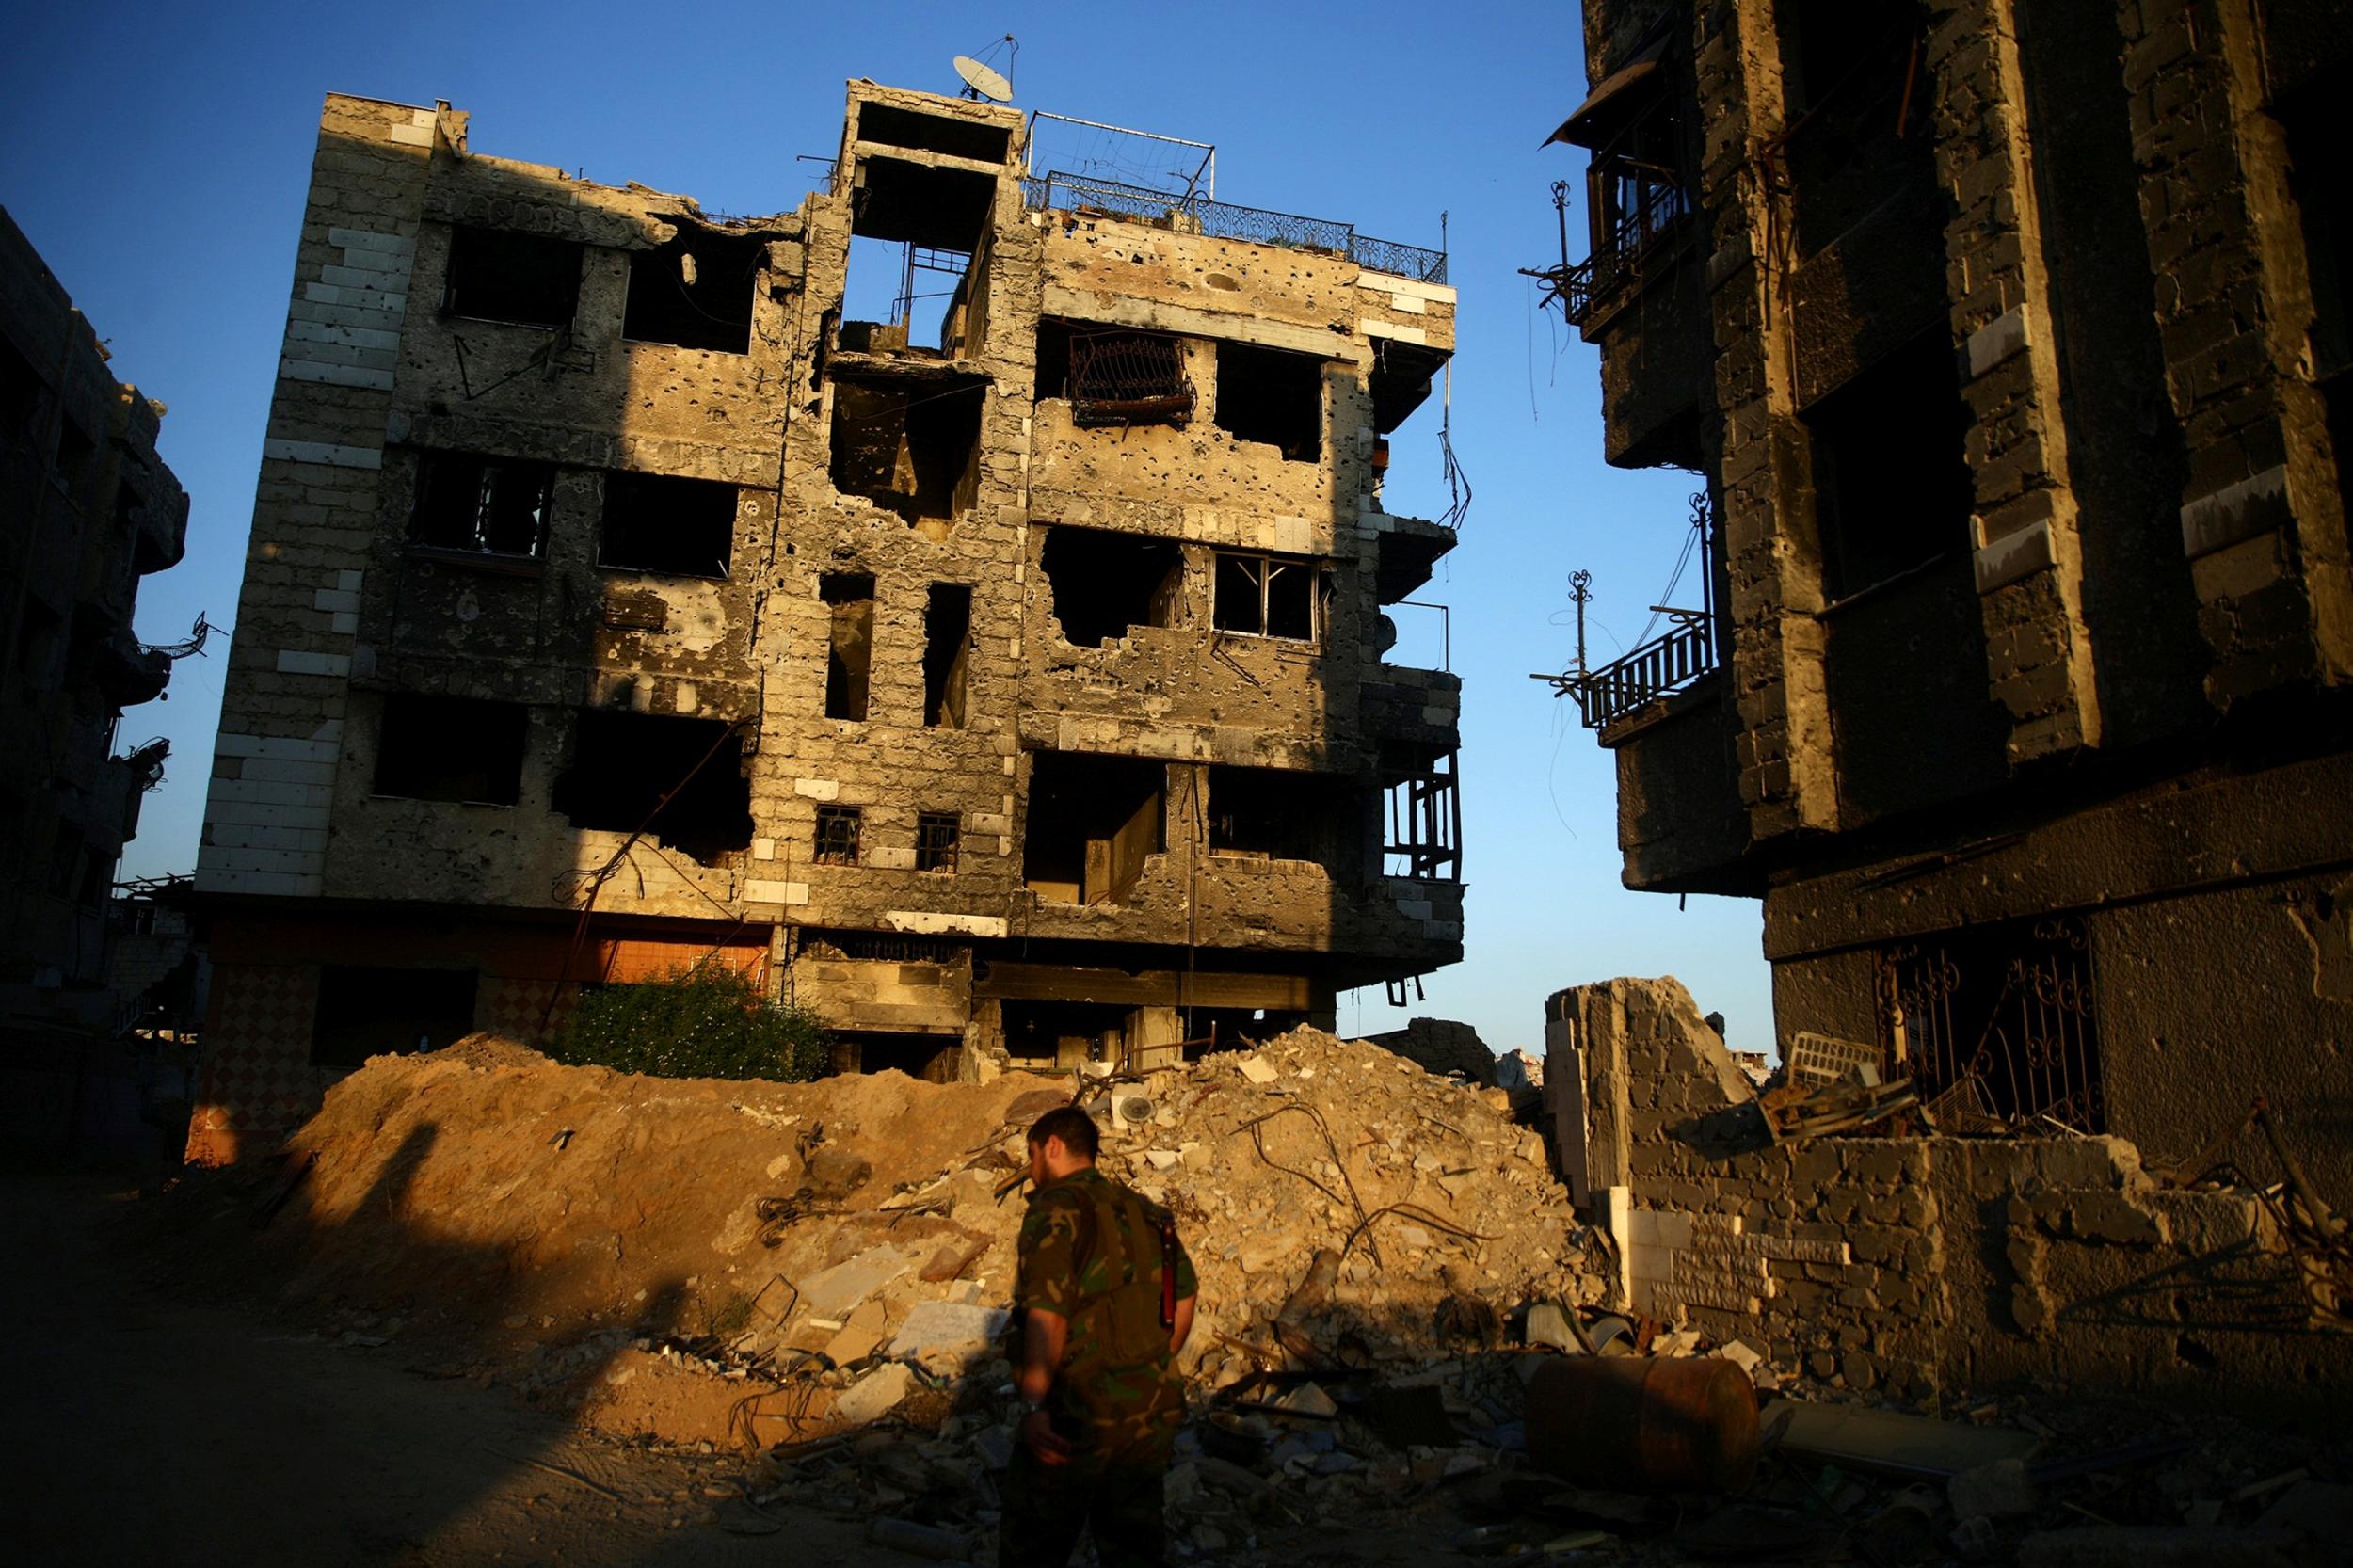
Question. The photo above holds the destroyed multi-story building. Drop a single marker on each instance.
(87, 509)
(2012, 343)
(618, 601)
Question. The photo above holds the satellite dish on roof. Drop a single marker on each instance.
(981, 81)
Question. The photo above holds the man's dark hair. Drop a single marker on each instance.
(1074, 1127)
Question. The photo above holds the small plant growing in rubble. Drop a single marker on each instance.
(710, 1021)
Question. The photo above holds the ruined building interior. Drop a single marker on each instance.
(1003, 680)
(2011, 343)
(87, 509)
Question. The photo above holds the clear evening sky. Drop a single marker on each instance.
(157, 155)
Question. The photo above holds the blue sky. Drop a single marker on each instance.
(157, 156)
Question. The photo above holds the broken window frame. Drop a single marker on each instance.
(939, 841)
(1636, 194)
(499, 485)
(1421, 836)
(1263, 570)
(834, 839)
(561, 262)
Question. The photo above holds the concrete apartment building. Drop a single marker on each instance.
(2012, 343)
(87, 509)
(616, 600)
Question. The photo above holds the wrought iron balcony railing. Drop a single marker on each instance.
(1655, 216)
(1665, 664)
(1223, 220)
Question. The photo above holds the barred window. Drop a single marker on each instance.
(936, 839)
(836, 835)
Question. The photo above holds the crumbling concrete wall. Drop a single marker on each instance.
(1919, 1264)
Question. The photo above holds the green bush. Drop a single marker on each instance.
(710, 1021)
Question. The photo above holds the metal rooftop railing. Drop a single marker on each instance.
(1059, 192)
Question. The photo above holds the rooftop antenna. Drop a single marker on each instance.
(984, 81)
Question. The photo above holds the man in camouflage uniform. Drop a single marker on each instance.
(1101, 1328)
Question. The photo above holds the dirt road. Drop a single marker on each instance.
(140, 1428)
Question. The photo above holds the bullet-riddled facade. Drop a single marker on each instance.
(2012, 343)
(1009, 693)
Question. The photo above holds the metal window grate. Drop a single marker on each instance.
(1817, 1061)
(1128, 378)
(936, 837)
(836, 835)
(1999, 1024)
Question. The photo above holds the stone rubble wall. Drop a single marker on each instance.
(1921, 1265)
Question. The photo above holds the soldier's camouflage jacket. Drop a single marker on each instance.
(1090, 1252)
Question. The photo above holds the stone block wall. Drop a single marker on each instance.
(1921, 1265)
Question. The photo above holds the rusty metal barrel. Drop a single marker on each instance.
(1643, 1423)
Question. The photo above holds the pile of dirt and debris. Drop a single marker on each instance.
(1344, 1208)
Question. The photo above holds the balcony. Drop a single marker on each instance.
(1648, 228)
(1666, 664)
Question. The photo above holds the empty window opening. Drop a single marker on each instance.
(849, 642)
(1996, 1026)
(696, 290)
(1271, 596)
(451, 748)
(1105, 584)
(1092, 822)
(2322, 180)
(1050, 1034)
(1209, 1029)
(947, 654)
(1421, 815)
(77, 453)
(497, 276)
(680, 779)
(1892, 489)
(901, 297)
(656, 523)
(129, 503)
(936, 836)
(367, 1011)
(487, 505)
(20, 387)
(837, 830)
(913, 450)
(1277, 814)
(1114, 376)
(934, 1058)
(932, 133)
(914, 231)
(1267, 395)
(1859, 88)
